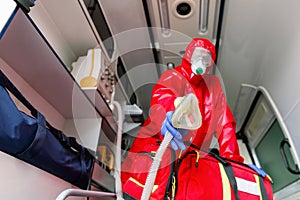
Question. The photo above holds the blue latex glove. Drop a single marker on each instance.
(177, 133)
(258, 170)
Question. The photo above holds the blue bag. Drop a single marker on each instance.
(34, 140)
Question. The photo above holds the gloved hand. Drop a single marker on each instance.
(177, 133)
(258, 170)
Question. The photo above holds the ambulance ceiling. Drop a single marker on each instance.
(177, 22)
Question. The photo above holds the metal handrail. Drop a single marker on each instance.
(83, 193)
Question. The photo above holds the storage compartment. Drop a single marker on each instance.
(37, 71)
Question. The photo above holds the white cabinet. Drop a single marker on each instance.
(36, 70)
(24, 49)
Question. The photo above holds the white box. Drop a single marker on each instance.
(86, 70)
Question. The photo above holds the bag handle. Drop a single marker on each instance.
(65, 140)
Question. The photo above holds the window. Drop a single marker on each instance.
(127, 87)
(101, 25)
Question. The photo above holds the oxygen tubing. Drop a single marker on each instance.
(117, 175)
(154, 167)
(184, 106)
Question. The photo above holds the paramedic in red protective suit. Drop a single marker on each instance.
(217, 119)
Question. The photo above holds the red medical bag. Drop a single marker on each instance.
(203, 175)
(196, 175)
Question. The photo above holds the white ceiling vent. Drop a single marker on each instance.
(179, 21)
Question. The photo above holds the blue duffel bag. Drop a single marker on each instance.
(35, 141)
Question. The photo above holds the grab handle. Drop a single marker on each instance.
(284, 157)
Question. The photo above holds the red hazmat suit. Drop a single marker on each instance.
(217, 119)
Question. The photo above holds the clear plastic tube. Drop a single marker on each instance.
(117, 174)
(154, 167)
(187, 115)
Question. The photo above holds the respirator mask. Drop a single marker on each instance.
(200, 61)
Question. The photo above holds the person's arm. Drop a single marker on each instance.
(227, 139)
(226, 134)
(165, 91)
